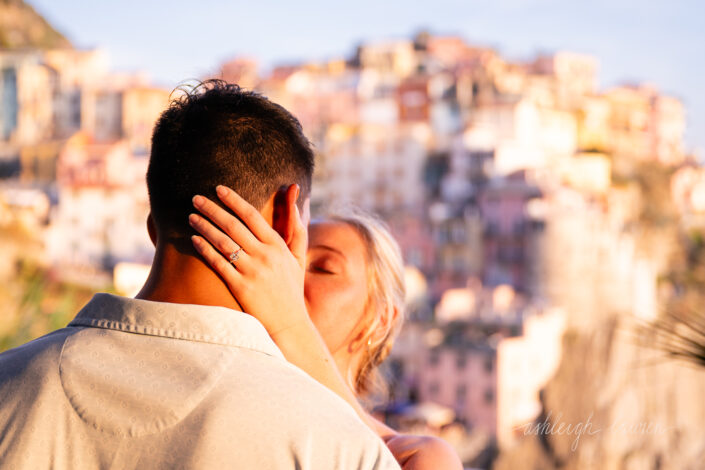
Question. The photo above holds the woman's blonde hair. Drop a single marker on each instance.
(384, 310)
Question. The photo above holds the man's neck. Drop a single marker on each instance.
(184, 279)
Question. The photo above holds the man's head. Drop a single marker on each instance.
(217, 134)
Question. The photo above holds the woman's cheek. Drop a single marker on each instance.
(316, 298)
(328, 307)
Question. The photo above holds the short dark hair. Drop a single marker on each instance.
(217, 133)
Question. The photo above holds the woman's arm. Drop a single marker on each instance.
(267, 263)
(423, 453)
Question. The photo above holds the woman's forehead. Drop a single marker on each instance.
(335, 233)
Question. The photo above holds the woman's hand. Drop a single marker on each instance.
(267, 278)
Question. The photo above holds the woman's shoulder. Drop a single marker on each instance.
(423, 452)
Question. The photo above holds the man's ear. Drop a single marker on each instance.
(152, 229)
(284, 211)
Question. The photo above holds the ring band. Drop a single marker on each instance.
(235, 255)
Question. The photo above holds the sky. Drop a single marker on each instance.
(657, 42)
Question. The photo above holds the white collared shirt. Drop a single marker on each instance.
(138, 384)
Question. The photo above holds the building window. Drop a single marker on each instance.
(460, 393)
(489, 365)
(458, 234)
(489, 396)
(491, 228)
(460, 361)
(433, 389)
(458, 263)
(414, 257)
(433, 358)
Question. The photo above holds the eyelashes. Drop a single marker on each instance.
(319, 269)
(322, 267)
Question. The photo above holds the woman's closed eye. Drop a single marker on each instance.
(324, 266)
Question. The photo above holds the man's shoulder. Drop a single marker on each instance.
(34, 354)
(29, 373)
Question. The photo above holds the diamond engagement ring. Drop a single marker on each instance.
(235, 255)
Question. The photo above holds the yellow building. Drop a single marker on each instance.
(645, 125)
(38, 161)
(587, 172)
(26, 105)
(141, 107)
(669, 126)
(77, 68)
(630, 121)
(593, 120)
(576, 76)
(391, 57)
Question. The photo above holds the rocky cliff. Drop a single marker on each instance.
(616, 403)
(630, 390)
(22, 27)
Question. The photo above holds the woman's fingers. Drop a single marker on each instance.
(249, 215)
(232, 227)
(216, 261)
(220, 241)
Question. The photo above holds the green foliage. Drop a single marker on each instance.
(39, 305)
(680, 331)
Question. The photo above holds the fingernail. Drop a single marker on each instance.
(198, 201)
(195, 240)
(193, 219)
(221, 190)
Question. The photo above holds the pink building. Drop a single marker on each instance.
(508, 230)
(415, 239)
(490, 372)
(241, 70)
(463, 378)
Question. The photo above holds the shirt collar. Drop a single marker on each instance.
(208, 324)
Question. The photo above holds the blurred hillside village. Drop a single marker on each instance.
(540, 217)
